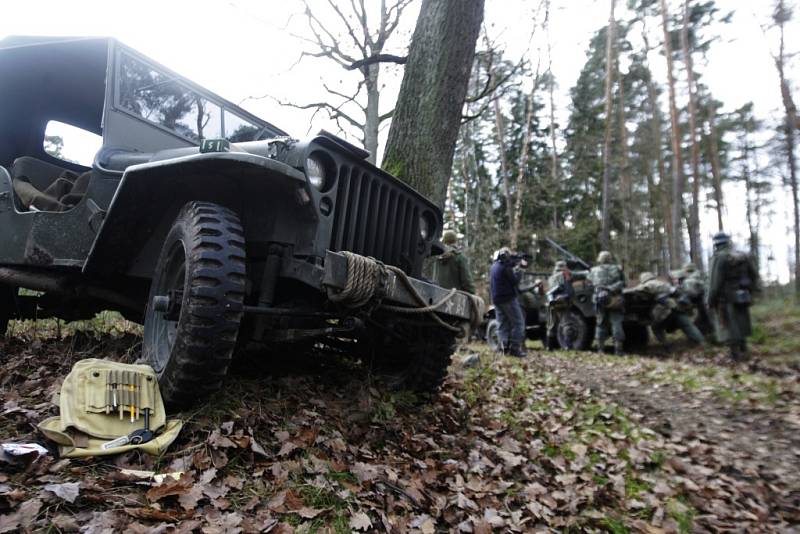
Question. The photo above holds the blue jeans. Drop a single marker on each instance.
(511, 323)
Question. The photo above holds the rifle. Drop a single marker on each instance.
(567, 254)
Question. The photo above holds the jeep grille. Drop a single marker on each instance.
(376, 218)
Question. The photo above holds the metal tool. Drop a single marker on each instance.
(143, 435)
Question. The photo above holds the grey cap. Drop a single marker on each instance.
(646, 277)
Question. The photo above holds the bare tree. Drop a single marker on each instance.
(355, 45)
(676, 254)
(522, 167)
(606, 216)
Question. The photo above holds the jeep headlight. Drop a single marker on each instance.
(424, 230)
(315, 170)
(427, 226)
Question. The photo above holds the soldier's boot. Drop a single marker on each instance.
(743, 349)
(552, 343)
(517, 351)
(619, 349)
(736, 352)
(601, 345)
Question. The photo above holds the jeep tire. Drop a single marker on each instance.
(194, 309)
(574, 331)
(493, 335)
(418, 362)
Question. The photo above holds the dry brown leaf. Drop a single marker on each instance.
(360, 521)
(25, 515)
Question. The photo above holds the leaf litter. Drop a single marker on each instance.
(555, 442)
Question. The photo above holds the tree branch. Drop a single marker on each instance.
(377, 58)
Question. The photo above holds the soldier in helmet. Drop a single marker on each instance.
(451, 269)
(667, 308)
(733, 280)
(608, 280)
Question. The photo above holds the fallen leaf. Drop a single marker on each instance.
(360, 521)
(67, 491)
(25, 515)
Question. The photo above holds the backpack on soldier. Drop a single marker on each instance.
(737, 276)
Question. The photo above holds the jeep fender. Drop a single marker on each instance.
(270, 197)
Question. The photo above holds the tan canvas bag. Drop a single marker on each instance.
(99, 399)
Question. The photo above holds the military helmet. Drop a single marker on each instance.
(646, 277)
(690, 268)
(721, 239)
(560, 265)
(449, 237)
(604, 257)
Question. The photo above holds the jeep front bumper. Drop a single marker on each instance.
(460, 307)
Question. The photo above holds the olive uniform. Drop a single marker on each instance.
(451, 269)
(733, 279)
(693, 284)
(667, 309)
(608, 280)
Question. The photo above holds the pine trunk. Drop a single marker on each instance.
(695, 251)
(713, 149)
(372, 116)
(676, 254)
(662, 190)
(789, 131)
(605, 229)
(499, 130)
(426, 120)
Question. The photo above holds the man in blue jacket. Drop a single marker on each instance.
(503, 281)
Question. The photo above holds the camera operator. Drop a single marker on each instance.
(503, 280)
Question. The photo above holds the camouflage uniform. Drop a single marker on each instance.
(608, 277)
(666, 309)
(693, 284)
(451, 269)
(733, 279)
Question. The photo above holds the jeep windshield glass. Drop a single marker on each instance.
(163, 100)
(238, 130)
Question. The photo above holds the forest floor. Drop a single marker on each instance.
(561, 441)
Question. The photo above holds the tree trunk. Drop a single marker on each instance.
(372, 114)
(713, 149)
(748, 189)
(789, 131)
(426, 120)
(695, 251)
(676, 254)
(523, 167)
(555, 186)
(662, 190)
(499, 130)
(624, 172)
(605, 228)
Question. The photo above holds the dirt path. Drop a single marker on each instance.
(718, 420)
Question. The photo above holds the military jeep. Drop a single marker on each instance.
(210, 226)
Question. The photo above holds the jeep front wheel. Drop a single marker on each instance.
(7, 307)
(195, 305)
(418, 361)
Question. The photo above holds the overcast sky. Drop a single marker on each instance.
(245, 48)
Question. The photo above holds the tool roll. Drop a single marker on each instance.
(108, 408)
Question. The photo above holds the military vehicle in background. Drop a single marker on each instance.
(125, 186)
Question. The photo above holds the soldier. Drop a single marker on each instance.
(733, 280)
(608, 281)
(503, 281)
(667, 308)
(451, 269)
(693, 284)
(559, 293)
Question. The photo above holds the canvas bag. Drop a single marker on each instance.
(85, 423)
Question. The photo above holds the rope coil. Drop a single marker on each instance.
(367, 280)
